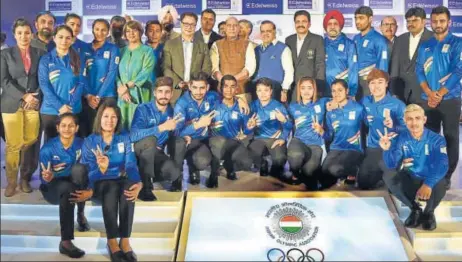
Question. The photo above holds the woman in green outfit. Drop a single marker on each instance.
(136, 73)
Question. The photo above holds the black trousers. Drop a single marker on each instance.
(340, 164)
(153, 163)
(2, 130)
(306, 158)
(110, 193)
(259, 147)
(371, 169)
(363, 89)
(89, 114)
(447, 113)
(197, 153)
(404, 186)
(58, 191)
(234, 152)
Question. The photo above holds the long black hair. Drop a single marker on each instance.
(75, 58)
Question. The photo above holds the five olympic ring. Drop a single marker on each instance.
(301, 255)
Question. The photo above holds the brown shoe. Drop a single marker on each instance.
(10, 190)
(25, 186)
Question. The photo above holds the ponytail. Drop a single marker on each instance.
(75, 61)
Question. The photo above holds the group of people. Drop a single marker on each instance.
(117, 114)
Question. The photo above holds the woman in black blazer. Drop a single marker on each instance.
(20, 101)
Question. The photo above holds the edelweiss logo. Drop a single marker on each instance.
(291, 224)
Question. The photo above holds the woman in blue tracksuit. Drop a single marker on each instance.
(65, 181)
(113, 174)
(61, 79)
(343, 123)
(305, 153)
(101, 65)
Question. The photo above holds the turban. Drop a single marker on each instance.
(334, 14)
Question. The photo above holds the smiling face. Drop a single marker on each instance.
(339, 93)
(45, 25)
(268, 34)
(100, 31)
(67, 128)
(302, 24)
(133, 35)
(109, 120)
(415, 121)
(378, 87)
(198, 90)
(264, 93)
(188, 26)
(307, 90)
(23, 36)
(163, 94)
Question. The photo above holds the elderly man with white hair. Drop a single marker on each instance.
(233, 56)
(168, 16)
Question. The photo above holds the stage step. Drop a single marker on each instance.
(30, 229)
(445, 242)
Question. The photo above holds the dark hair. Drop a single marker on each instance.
(227, 78)
(265, 22)
(61, 117)
(209, 11)
(441, 10)
(221, 23)
(302, 12)
(2, 37)
(164, 81)
(249, 24)
(70, 16)
(107, 104)
(100, 20)
(20, 22)
(152, 22)
(191, 14)
(75, 58)
(341, 82)
(201, 76)
(265, 81)
(40, 14)
(118, 19)
(417, 12)
(364, 10)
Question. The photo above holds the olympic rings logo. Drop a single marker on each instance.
(294, 255)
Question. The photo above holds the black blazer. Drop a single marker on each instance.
(404, 82)
(213, 37)
(14, 81)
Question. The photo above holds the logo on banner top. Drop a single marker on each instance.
(291, 224)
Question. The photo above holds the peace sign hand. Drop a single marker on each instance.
(385, 142)
(101, 159)
(252, 123)
(280, 116)
(47, 174)
(316, 126)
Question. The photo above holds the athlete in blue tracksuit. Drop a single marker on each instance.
(152, 125)
(341, 63)
(343, 129)
(417, 165)
(372, 48)
(228, 135)
(271, 125)
(61, 176)
(439, 71)
(62, 86)
(195, 110)
(101, 67)
(377, 112)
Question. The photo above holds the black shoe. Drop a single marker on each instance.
(264, 169)
(212, 181)
(146, 195)
(428, 221)
(130, 255)
(194, 178)
(222, 171)
(82, 222)
(231, 176)
(176, 185)
(295, 181)
(350, 180)
(414, 218)
(116, 256)
(73, 252)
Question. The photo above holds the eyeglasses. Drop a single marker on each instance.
(188, 25)
(389, 25)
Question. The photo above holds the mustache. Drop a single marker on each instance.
(300, 27)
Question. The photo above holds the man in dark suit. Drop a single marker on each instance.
(185, 56)
(206, 32)
(308, 54)
(404, 82)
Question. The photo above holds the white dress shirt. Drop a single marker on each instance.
(300, 43)
(287, 66)
(413, 43)
(206, 37)
(187, 54)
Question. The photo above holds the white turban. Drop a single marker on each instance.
(168, 9)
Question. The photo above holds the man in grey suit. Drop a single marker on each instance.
(206, 33)
(404, 82)
(185, 56)
(308, 54)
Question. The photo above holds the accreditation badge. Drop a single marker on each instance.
(106, 54)
(341, 47)
(445, 48)
(352, 115)
(365, 42)
(121, 147)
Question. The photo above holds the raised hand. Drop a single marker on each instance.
(385, 141)
(170, 124)
(252, 123)
(316, 126)
(101, 159)
(205, 120)
(280, 116)
(47, 174)
(331, 105)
